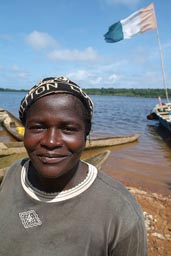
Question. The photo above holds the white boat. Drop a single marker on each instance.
(162, 113)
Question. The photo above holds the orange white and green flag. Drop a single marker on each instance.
(139, 22)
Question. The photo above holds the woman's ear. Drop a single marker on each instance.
(88, 128)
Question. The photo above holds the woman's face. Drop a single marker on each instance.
(55, 134)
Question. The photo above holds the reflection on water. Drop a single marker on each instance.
(146, 162)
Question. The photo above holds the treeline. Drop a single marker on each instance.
(147, 93)
(12, 90)
(133, 92)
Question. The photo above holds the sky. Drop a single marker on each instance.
(40, 38)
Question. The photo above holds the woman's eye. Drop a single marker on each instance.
(36, 127)
(70, 129)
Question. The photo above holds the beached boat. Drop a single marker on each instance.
(162, 113)
(96, 159)
(111, 141)
(3, 115)
(12, 125)
(10, 148)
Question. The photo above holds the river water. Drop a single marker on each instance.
(146, 163)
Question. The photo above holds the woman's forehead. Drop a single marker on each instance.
(59, 99)
(59, 105)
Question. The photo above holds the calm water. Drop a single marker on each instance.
(147, 163)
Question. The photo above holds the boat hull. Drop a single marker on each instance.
(10, 148)
(163, 115)
(13, 126)
(111, 141)
(95, 159)
(165, 123)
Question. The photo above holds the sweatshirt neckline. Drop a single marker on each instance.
(60, 196)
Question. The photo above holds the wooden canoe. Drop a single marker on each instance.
(96, 160)
(111, 141)
(13, 125)
(9, 148)
(3, 115)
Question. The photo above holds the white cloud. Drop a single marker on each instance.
(95, 77)
(123, 2)
(140, 56)
(19, 73)
(15, 68)
(79, 75)
(152, 77)
(40, 40)
(113, 78)
(89, 54)
(96, 81)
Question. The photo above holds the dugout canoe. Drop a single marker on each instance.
(10, 148)
(111, 141)
(96, 160)
(3, 115)
(13, 125)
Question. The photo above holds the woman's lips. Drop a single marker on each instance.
(52, 159)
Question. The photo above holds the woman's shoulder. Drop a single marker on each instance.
(18, 163)
(14, 169)
(117, 193)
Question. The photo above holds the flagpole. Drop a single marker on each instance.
(162, 62)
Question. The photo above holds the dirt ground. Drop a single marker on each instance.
(157, 214)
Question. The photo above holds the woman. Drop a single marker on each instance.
(55, 204)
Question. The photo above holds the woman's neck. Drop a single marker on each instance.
(64, 182)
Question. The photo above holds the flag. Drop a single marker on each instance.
(139, 22)
(160, 101)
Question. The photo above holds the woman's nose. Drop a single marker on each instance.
(52, 138)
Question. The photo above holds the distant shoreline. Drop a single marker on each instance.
(131, 92)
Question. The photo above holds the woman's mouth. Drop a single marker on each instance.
(52, 158)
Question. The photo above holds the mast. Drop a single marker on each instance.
(162, 62)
